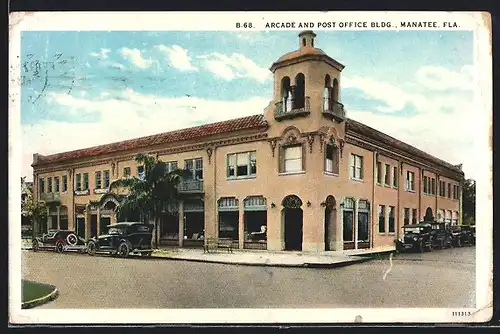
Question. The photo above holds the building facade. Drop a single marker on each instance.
(300, 176)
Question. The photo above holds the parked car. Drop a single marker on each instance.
(123, 239)
(59, 241)
(416, 237)
(441, 235)
(461, 236)
(470, 232)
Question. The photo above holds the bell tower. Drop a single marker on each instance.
(306, 88)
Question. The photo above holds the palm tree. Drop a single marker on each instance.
(152, 192)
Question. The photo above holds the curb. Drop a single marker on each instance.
(42, 300)
(303, 265)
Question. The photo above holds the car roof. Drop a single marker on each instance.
(417, 225)
(120, 224)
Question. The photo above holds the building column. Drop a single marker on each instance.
(86, 214)
(181, 223)
(58, 217)
(355, 227)
(48, 218)
(98, 220)
(241, 225)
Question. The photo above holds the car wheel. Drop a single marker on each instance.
(91, 248)
(59, 247)
(459, 243)
(36, 246)
(123, 250)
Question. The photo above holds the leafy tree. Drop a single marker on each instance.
(151, 193)
(35, 210)
(469, 202)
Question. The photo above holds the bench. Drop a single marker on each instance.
(212, 244)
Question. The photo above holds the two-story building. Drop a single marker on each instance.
(300, 176)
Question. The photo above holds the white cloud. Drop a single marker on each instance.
(440, 78)
(124, 115)
(442, 122)
(178, 57)
(235, 66)
(135, 57)
(103, 53)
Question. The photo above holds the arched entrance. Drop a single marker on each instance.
(330, 222)
(428, 215)
(293, 221)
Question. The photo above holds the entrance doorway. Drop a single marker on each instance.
(429, 217)
(330, 215)
(93, 225)
(80, 227)
(293, 222)
(103, 225)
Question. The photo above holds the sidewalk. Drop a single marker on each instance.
(272, 258)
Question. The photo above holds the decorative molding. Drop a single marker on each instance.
(322, 137)
(112, 169)
(167, 151)
(82, 192)
(209, 153)
(310, 140)
(341, 144)
(273, 143)
(101, 191)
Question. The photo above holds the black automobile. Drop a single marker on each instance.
(59, 241)
(470, 232)
(460, 236)
(123, 239)
(415, 237)
(441, 235)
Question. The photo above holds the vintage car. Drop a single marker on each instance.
(59, 241)
(461, 236)
(470, 232)
(123, 239)
(415, 237)
(441, 235)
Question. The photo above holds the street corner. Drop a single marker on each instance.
(36, 294)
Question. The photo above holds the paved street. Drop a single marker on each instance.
(443, 278)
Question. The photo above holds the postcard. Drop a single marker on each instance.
(250, 167)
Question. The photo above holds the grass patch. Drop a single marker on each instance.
(33, 290)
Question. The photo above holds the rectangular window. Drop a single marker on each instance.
(414, 217)
(140, 172)
(433, 186)
(171, 166)
(293, 159)
(49, 185)
(56, 184)
(241, 164)
(392, 225)
(126, 172)
(426, 190)
(196, 168)
(379, 172)
(356, 167)
(387, 178)
(41, 186)
(85, 181)
(331, 159)
(449, 190)
(106, 178)
(348, 223)
(78, 181)
(407, 216)
(395, 176)
(98, 180)
(410, 181)
(442, 188)
(65, 183)
(381, 219)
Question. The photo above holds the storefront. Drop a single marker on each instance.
(228, 212)
(255, 221)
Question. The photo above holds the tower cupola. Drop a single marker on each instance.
(306, 39)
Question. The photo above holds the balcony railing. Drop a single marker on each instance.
(191, 186)
(50, 197)
(292, 108)
(333, 109)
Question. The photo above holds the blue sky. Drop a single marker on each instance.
(95, 87)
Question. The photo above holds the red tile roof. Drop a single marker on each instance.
(249, 122)
(365, 130)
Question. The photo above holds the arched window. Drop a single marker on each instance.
(286, 94)
(299, 91)
(312, 42)
(335, 90)
(303, 42)
(327, 91)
